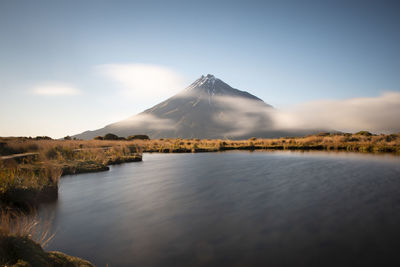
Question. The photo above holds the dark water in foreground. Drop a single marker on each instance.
(234, 209)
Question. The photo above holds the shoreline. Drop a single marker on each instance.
(21, 250)
(356, 149)
(38, 158)
(30, 157)
(30, 169)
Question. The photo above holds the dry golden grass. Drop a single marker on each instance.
(22, 178)
(355, 142)
(71, 150)
(347, 142)
(13, 223)
(102, 150)
(28, 179)
(74, 156)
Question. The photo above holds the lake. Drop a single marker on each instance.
(233, 209)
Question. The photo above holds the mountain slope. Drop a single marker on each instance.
(208, 108)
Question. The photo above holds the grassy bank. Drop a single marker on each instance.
(29, 174)
(30, 169)
(22, 238)
(112, 150)
(24, 187)
(360, 142)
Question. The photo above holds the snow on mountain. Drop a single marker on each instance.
(208, 108)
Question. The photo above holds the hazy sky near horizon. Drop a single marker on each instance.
(71, 66)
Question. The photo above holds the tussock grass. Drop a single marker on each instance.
(18, 224)
(22, 239)
(35, 178)
(104, 150)
(24, 186)
(76, 156)
(343, 142)
(14, 178)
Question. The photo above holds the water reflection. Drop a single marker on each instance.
(233, 209)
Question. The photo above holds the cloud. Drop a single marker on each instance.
(375, 114)
(146, 121)
(55, 89)
(143, 81)
(243, 116)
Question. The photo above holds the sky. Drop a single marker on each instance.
(71, 66)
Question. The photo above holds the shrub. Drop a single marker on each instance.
(98, 138)
(8, 149)
(33, 147)
(43, 138)
(391, 137)
(52, 153)
(354, 139)
(110, 136)
(138, 137)
(365, 133)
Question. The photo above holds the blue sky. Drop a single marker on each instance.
(285, 52)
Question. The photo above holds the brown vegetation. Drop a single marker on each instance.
(23, 186)
(29, 173)
(30, 168)
(35, 174)
(22, 238)
(360, 142)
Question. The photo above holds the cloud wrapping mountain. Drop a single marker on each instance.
(376, 114)
(210, 108)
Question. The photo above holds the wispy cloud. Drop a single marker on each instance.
(55, 89)
(143, 81)
(147, 121)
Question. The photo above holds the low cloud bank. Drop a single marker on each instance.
(146, 121)
(376, 114)
(243, 116)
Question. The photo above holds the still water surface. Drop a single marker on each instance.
(233, 209)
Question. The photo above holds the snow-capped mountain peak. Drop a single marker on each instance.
(204, 81)
(208, 108)
(208, 86)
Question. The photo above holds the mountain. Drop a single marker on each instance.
(208, 108)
